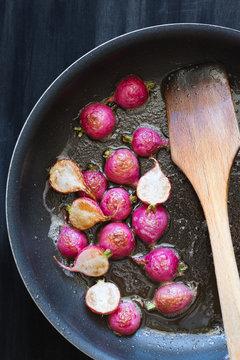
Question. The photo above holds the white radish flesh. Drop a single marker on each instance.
(66, 177)
(154, 187)
(103, 298)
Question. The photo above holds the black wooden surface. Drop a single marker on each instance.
(38, 40)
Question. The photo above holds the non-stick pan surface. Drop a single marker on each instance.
(151, 53)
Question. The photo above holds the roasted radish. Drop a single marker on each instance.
(153, 188)
(96, 183)
(91, 261)
(122, 167)
(66, 177)
(84, 213)
(161, 264)
(97, 120)
(149, 225)
(103, 298)
(145, 141)
(118, 238)
(126, 319)
(71, 241)
(116, 201)
(132, 92)
(173, 298)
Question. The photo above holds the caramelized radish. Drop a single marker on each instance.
(96, 183)
(84, 213)
(149, 225)
(153, 188)
(126, 320)
(97, 120)
(66, 177)
(103, 298)
(122, 167)
(161, 264)
(118, 238)
(145, 141)
(131, 92)
(116, 198)
(71, 241)
(173, 298)
(91, 261)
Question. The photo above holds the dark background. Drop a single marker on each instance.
(39, 39)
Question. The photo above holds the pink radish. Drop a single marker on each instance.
(84, 213)
(149, 225)
(103, 298)
(132, 92)
(153, 188)
(96, 182)
(116, 198)
(90, 261)
(118, 238)
(122, 167)
(173, 298)
(145, 141)
(66, 177)
(97, 120)
(71, 241)
(161, 264)
(126, 319)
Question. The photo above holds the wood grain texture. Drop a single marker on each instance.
(39, 39)
(204, 139)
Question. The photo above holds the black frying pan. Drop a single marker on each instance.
(150, 53)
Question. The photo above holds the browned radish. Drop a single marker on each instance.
(103, 298)
(91, 261)
(66, 177)
(84, 213)
(126, 320)
(173, 298)
(153, 188)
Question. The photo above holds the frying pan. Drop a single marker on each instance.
(150, 53)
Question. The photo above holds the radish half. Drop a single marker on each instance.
(153, 188)
(91, 261)
(66, 177)
(84, 213)
(103, 298)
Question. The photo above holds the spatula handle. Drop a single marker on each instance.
(226, 271)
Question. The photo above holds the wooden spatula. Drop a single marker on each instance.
(204, 139)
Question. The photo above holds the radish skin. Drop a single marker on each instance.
(131, 92)
(116, 198)
(71, 241)
(97, 120)
(122, 167)
(145, 141)
(118, 238)
(161, 264)
(126, 319)
(149, 225)
(173, 298)
(96, 183)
